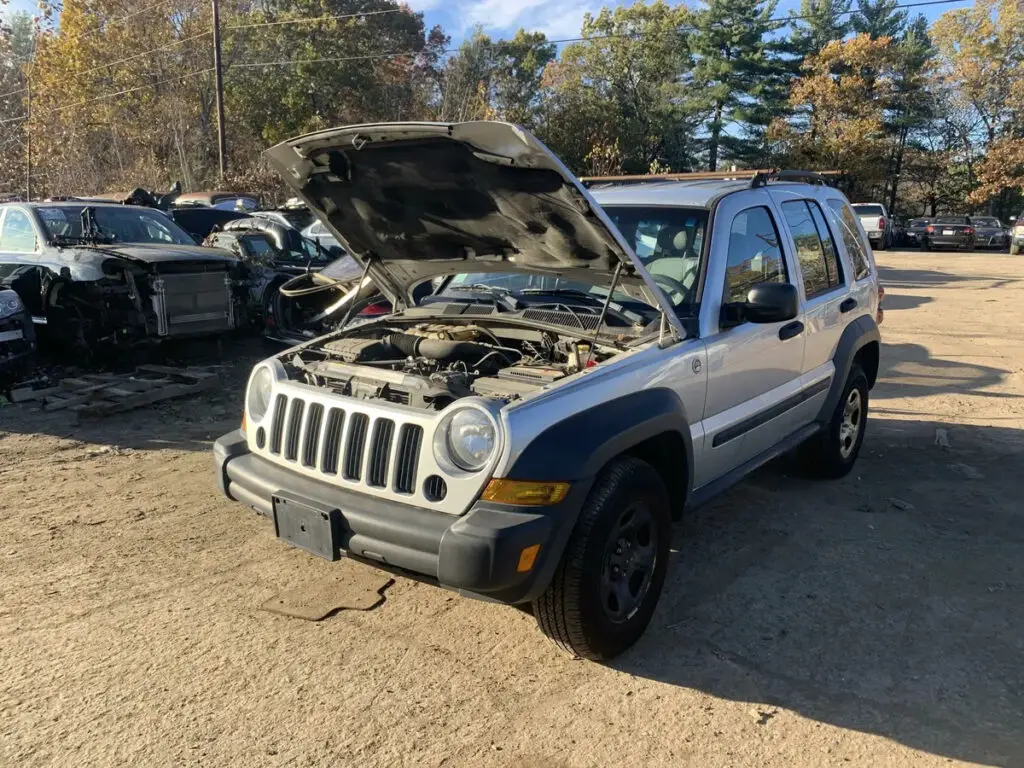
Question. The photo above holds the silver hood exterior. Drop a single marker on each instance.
(418, 200)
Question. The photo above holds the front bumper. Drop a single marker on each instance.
(476, 553)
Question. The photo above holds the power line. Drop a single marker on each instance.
(338, 59)
(125, 92)
(314, 20)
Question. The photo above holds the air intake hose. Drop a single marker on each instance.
(411, 345)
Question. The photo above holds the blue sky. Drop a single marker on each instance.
(556, 18)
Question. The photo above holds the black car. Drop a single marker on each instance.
(949, 232)
(916, 230)
(990, 232)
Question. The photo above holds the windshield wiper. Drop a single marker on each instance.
(562, 292)
(501, 294)
(62, 240)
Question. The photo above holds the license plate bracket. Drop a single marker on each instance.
(308, 525)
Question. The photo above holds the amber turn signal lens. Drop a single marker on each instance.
(243, 422)
(525, 493)
(527, 558)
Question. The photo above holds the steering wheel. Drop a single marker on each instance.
(677, 291)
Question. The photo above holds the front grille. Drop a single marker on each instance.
(379, 453)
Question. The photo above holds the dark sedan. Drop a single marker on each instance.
(989, 232)
(949, 232)
(916, 230)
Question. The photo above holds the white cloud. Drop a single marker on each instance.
(423, 5)
(559, 19)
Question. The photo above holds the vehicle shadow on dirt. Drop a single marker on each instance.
(910, 370)
(888, 602)
(187, 423)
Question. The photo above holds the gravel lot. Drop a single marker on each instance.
(873, 621)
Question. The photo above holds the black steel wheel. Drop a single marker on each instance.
(603, 594)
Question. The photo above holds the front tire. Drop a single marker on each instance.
(833, 451)
(1014, 248)
(604, 592)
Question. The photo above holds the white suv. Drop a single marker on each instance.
(587, 365)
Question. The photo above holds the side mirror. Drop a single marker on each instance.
(772, 303)
(1013, 218)
(766, 303)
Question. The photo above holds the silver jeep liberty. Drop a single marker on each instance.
(564, 371)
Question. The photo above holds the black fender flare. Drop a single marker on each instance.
(578, 446)
(856, 336)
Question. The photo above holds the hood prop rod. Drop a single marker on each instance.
(604, 312)
(358, 288)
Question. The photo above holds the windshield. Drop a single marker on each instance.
(868, 210)
(669, 242)
(919, 222)
(951, 220)
(118, 224)
(985, 221)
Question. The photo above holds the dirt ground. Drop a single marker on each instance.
(873, 621)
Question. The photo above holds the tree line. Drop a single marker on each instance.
(925, 117)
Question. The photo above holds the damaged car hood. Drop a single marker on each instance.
(418, 200)
(159, 253)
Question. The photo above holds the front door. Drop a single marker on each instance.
(754, 369)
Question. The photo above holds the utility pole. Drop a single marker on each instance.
(222, 145)
(28, 140)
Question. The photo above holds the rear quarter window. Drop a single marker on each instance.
(854, 244)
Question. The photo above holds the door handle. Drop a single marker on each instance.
(790, 330)
(847, 305)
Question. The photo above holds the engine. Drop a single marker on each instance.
(431, 365)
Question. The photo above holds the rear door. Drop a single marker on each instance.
(754, 369)
(823, 281)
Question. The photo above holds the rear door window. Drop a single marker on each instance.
(814, 247)
(855, 247)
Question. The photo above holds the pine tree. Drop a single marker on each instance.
(818, 23)
(735, 63)
(881, 18)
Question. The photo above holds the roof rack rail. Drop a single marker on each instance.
(761, 178)
(734, 175)
(757, 178)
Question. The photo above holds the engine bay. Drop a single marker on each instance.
(430, 365)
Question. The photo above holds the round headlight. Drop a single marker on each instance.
(260, 387)
(470, 439)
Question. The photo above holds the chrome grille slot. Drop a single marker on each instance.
(358, 425)
(409, 439)
(312, 437)
(380, 451)
(332, 441)
(291, 442)
(277, 426)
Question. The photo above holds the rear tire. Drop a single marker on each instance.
(1014, 249)
(604, 592)
(926, 245)
(832, 452)
(881, 245)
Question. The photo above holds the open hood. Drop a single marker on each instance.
(417, 200)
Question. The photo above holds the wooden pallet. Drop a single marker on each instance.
(101, 394)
